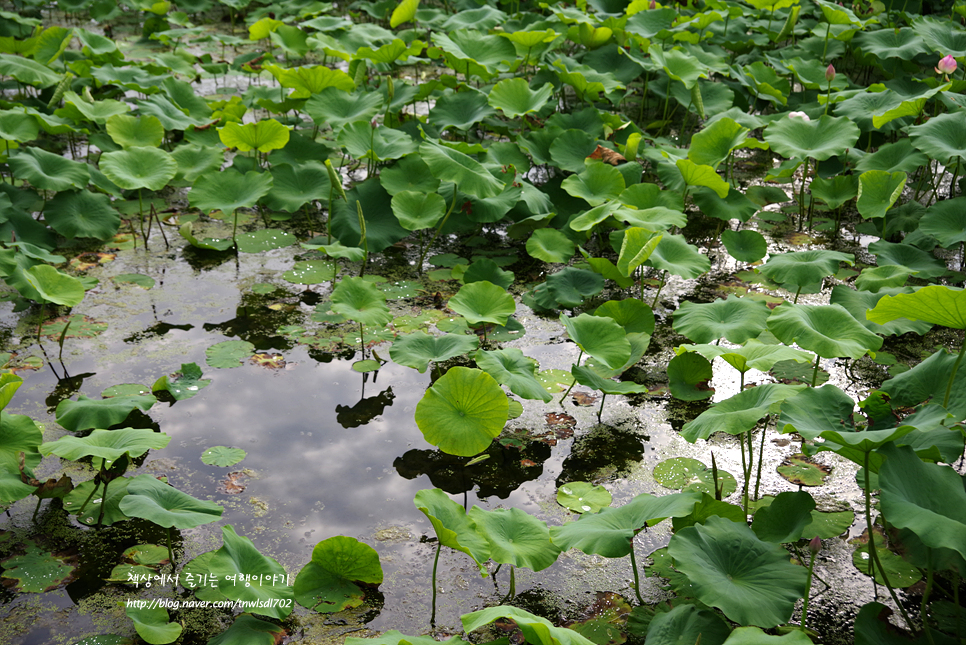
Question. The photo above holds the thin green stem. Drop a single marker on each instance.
(815, 371)
(761, 455)
(439, 547)
(170, 550)
(637, 580)
(574, 382)
(808, 591)
(100, 517)
(658, 294)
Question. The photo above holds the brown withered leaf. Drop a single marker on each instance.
(585, 398)
(232, 485)
(268, 360)
(607, 156)
(560, 421)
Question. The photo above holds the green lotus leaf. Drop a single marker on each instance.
(901, 573)
(9, 384)
(309, 80)
(81, 213)
(740, 413)
(754, 636)
(416, 350)
(836, 190)
(293, 186)
(37, 570)
(365, 141)
(820, 139)
(550, 245)
(828, 330)
(229, 353)
(875, 279)
(359, 300)
(785, 518)
(945, 221)
(514, 97)
(611, 531)
(486, 270)
(892, 157)
(736, 319)
(473, 53)
(828, 525)
(569, 149)
(47, 171)
(878, 191)
(134, 168)
(765, 83)
(416, 210)
(382, 227)
(859, 303)
(248, 630)
(922, 264)
(312, 272)
(804, 268)
(19, 127)
(674, 255)
(462, 412)
(394, 637)
(715, 142)
(535, 629)
(679, 65)
(816, 410)
(631, 314)
(583, 497)
(515, 537)
(223, 456)
(337, 108)
(165, 505)
(596, 184)
(941, 138)
(266, 239)
(733, 206)
(745, 246)
(603, 338)
(587, 376)
(229, 190)
(687, 624)
(752, 355)
(76, 499)
(461, 110)
(451, 165)
(134, 132)
(700, 175)
(328, 582)
(903, 43)
(939, 37)
(483, 302)
(928, 381)
(54, 286)
(751, 581)
(453, 528)
(264, 577)
(409, 173)
(27, 71)
(511, 368)
(85, 413)
(689, 375)
(263, 136)
(936, 304)
(109, 445)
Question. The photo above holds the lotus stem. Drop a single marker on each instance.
(574, 382)
(513, 586)
(747, 473)
(362, 341)
(761, 457)
(825, 48)
(89, 497)
(100, 516)
(952, 375)
(36, 509)
(439, 229)
(637, 583)
(170, 550)
(601, 410)
(744, 472)
(815, 371)
(658, 294)
(43, 311)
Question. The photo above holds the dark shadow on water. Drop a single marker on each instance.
(365, 410)
(604, 453)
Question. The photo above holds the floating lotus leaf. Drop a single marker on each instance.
(328, 582)
(116, 492)
(135, 168)
(583, 497)
(38, 570)
(152, 624)
(515, 537)
(416, 350)
(239, 557)
(266, 239)
(751, 581)
(462, 412)
(901, 573)
(736, 319)
(229, 353)
(223, 456)
(361, 301)
(828, 330)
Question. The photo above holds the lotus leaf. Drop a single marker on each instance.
(934, 304)
(462, 412)
(416, 350)
(165, 505)
(263, 136)
(916, 261)
(859, 303)
(53, 286)
(359, 300)
(946, 221)
(382, 227)
(569, 149)
(878, 191)
(515, 98)
(535, 629)
(248, 630)
(82, 214)
(109, 445)
(754, 636)
(264, 240)
(674, 255)
(117, 491)
(740, 413)
(229, 190)
(589, 377)
(239, 557)
(689, 375)
(631, 314)
(47, 171)
(223, 456)
(483, 302)
(209, 243)
(693, 476)
(307, 81)
(819, 139)
(461, 110)
(736, 319)
(85, 413)
(583, 497)
(133, 132)
(803, 268)
(416, 210)
(152, 624)
(293, 186)
(753, 355)
(511, 368)
(229, 353)
(828, 330)
(28, 71)
(134, 168)
(453, 528)
(451, 165)
(596, 184)
(570, 286)
(942, 138)
(687, 624)
(715, 142)
(337, 108)
(473, 53)
(600, 337)
(785, 519)
(515, 537)
(836, 190)
(486, 270)
(700, 175)
(550, 245)
(745, 246)
(365, 141)
(15, 126)
(892, 157)
(195, 160)
(327, 583)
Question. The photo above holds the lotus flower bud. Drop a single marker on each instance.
(829, 73)
(798, 115)
(815, 544)
(653, 5)
(946, 66)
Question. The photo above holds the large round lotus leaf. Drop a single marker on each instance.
(689, 375)
(54, 286)
(453, 528)
(828, 330)
(596, 184)
(795, 138)
(461, 110)
(223, 456)
(686, 624)
(483, 302)
(295, 186)
(516, 537)
(468, 174)
(248, 630)
(836, 190)
(82, 213)
(785, 518)
(196, 160)
(736, 319)
(511, 368)
(928, 499)
(922, 264)
(936, 304)
(570, 286)
(754, 636)
(534, 628)
(514, 97)
(486, 270)
(361, 301)
(745, 246)
(153, 624)
(165, 505)
(382, 226)
(416, 350)
(610, 532)
(364, 141)
(133, 168)
(878, 191)
(229, 353)
(327, 583)
(16, 126)
(751, 581)
(229, 190)
(462, 412)
(116, 492)
(409, 173)
(946, 221)
(600, 337)
(674, 255)
(583, 497)
(109, 445)
(860, 302)
(631, 314)
(47, 171)
(942, 138)
(263, 136)
(416, 210)
(135, 132)
(550, 245)
(570, 149)
(803, 268)
(85, 413)
(815, 410)
(892, 157)
(715, 142)
(740, 413)
(265, 578)
(901, 43)
(336, 108)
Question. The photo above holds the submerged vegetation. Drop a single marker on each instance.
(583, 165)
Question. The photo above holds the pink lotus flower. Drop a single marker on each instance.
(798, 115)
(946, 66)
(829, 73)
